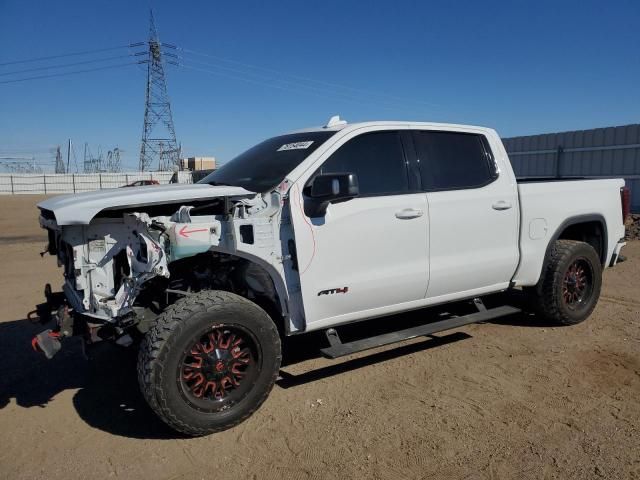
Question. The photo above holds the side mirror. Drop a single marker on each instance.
(330, 188)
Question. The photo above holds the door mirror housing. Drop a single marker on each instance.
(330, 188)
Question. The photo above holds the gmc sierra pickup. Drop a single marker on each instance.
(312, 230)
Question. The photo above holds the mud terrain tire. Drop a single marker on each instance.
(208, 362)
(569, 287)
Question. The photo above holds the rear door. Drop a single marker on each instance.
(368, 255)
(473, 214)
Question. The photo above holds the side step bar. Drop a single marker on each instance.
(339, 349)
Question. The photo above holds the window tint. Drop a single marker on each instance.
(451, 160)
(376, 158)
(264, 166)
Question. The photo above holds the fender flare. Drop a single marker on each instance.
(278, 282)
(576, 220)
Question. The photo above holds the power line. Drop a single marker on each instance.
(310, 90)
(69, 73)
(302, 78)
(64, 65)
(86, 52)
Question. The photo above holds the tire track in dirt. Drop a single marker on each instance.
(620, 301)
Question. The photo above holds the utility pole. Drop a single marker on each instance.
(159, 143)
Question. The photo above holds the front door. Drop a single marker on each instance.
(368, 255)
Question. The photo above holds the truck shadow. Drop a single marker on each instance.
(300, 352)
(108, 398)
(526, 318)
(28, 377)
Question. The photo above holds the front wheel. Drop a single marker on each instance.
(569, 287)
(208, 362)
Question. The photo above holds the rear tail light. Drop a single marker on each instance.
(625, 201)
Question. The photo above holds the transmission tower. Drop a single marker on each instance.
(159, 146)
(59, 163)
(113, 160)
(92, 164)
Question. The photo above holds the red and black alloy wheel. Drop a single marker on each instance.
(219, 367)
(577, 284)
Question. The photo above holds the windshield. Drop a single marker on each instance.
(264, 166)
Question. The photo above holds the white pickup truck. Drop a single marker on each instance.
(312, 230)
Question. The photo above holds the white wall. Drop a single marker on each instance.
(17, 183)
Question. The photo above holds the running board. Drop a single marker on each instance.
(339, 349)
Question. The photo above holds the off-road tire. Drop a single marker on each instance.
(547, 297)
(163, 347)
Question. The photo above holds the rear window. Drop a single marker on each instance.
(452, 160)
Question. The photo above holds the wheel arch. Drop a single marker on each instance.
(278, 310)
(588, 228)
(281, 317)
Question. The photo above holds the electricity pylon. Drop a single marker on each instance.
(59, 163)
(159, 146)
(113, 160)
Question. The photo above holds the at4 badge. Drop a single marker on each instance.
(332, 291)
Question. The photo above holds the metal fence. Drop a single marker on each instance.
(611, 152)
(52, 183)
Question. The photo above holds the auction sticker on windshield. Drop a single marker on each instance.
(295, 146)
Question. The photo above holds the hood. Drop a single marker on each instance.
(80, 208)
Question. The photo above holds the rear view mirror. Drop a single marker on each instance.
(330, 188)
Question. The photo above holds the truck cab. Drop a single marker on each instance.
(404, 241)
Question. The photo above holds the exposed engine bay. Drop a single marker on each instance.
(125, 265)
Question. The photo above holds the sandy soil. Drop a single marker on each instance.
(504, 400)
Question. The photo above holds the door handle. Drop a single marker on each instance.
(409, 213)
(501, 205)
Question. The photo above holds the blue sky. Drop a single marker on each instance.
(520, 67)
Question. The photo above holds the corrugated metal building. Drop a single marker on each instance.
(601, 152)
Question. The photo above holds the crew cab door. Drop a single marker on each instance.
(368, 255)
(473, 213)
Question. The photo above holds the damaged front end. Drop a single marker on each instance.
(106, 265)
(117, 265)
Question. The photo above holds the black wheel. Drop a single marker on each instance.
(208, 362)
(569, 288)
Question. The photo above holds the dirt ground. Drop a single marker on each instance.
(504, 400)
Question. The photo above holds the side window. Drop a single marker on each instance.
(376, 158)
(452, 160)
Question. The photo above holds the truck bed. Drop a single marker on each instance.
(545, 206)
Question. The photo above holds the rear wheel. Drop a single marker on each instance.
(569, 288)
(209, 362)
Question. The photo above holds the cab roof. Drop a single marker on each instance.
(335, 124)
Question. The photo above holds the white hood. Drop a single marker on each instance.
(82, 207)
